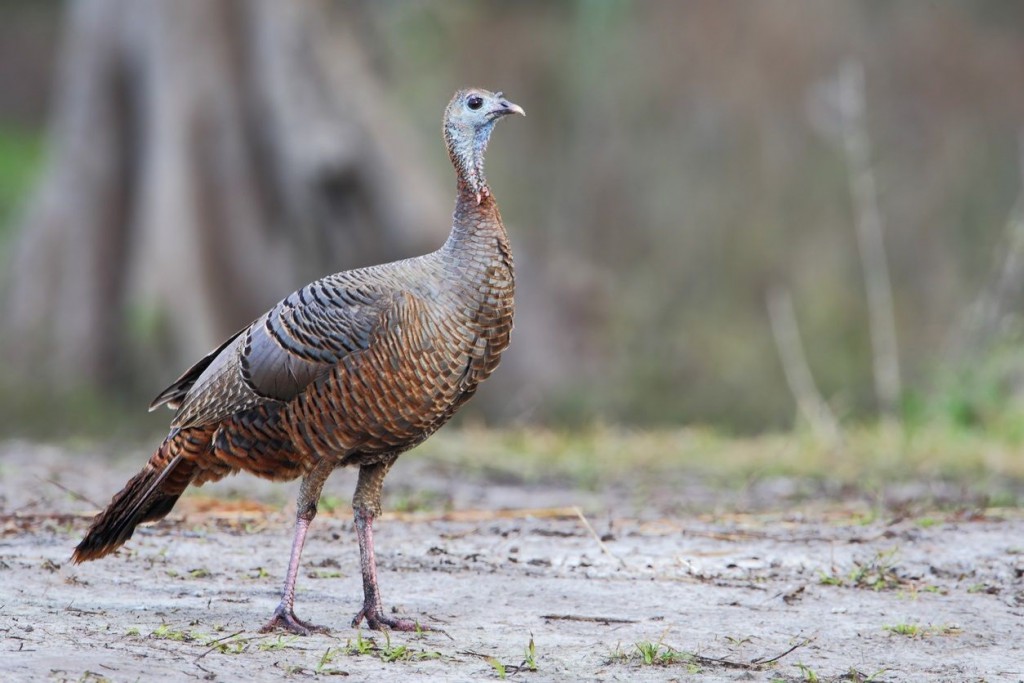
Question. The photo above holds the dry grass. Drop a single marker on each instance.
(602, 454)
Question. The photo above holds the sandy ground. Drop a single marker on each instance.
(786, 592)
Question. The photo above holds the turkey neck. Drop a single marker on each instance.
(478, 241)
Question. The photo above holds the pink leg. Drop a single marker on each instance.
(284, 616)
(372, 610)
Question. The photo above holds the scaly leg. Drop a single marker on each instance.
(309, 494)
(365, 507)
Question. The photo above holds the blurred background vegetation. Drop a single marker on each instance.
(679, 162)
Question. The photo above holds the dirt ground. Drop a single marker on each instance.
(631, 589)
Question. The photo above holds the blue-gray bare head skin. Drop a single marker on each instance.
(468, 122)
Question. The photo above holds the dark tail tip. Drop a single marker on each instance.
(108, 533)
(144, 498)
(91, 549)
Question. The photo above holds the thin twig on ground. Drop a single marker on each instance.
(772, 660)
(604, 548)
(754, 664)
(596, 620)
(74, 494)
(214, 643)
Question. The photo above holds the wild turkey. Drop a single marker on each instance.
(353, 369)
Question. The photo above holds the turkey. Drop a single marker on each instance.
(353, 369)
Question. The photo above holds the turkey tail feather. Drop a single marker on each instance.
(147, 497)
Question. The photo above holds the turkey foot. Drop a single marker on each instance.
(376, 620)
(285, 618)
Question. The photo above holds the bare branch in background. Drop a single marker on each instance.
(870, 237)
(809, 401)
(1006, 283)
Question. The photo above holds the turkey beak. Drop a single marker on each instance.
(505, 108)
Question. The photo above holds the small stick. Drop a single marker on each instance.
(74, 494)
(600, 543)
(214, 646)
(762, 662)
(597, 620)
(755, 664)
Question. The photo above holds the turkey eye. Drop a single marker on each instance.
(475, 102)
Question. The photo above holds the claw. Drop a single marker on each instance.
(285, 619)
(378, 622)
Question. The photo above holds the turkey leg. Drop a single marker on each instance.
(366, 507)
(309, 494)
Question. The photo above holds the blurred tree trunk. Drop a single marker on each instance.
(206, 158)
